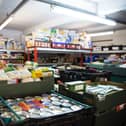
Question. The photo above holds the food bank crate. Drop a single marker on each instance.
(75, 75)
(96, 66)
(110, 118)
(71, 75)
(112, 99)
(118, 73)
(29, 88)
(6, 114)
(78, 117)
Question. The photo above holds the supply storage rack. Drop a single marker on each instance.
(12, 56)
(36, 50)
(108, 111)
(81, 117)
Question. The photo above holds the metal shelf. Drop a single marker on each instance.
(107, 52)
(52, 50)
(10, 59)
(7, 50)
(51, 64)
(20, 51)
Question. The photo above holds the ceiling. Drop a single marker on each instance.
(35, 14)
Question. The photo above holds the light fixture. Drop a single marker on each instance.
(80, 4)
(6, 22)
(100, 33)
(10, 16)
(82, 15)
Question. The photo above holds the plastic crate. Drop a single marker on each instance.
(96, 66)
(74, 75)
(106, 113)
(80, 117)
(118, 73)
(111, 100)
(29, 88)
(110, 118)
(73, 119)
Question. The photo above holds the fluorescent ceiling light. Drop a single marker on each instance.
(6, 22)
(101, 33)
(80, 4)
(83, 16)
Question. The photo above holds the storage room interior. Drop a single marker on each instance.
(62, 63)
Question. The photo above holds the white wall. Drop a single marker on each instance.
(118, 38)
(13, 34)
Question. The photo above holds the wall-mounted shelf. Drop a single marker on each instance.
(10, 59)
(108, 52)
(12, 56)
(7, 50)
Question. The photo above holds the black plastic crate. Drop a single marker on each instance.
(74, 75)
(110, 118)
(67, 76)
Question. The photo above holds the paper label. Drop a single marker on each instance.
(79, 87)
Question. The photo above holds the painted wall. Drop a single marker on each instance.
(118, 38)
(13, 34)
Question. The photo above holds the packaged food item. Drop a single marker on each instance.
(24, 106)
(3, 75)
(25, 73)
(14, 74)
(25, 80)
(46, 105)
(36, 74)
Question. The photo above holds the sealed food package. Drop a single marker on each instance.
(14, 74)
(3, 75)
(25, 73)
(101, 91)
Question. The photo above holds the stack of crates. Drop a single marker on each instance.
(110, 111)
(80, 117)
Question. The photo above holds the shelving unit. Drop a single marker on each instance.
(108, 52)
(14, 56)
(104, 54)
(37, 50)
(51, 50)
